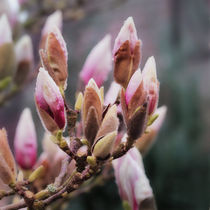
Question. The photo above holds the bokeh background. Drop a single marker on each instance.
(177, 33)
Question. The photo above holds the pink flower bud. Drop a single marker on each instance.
(98, 63)
(24, 49)
(112, 93)
(49, 101)
(131, 179)
(25, 142)
(151, 84)
(127, 32)
(133, 84)
(55, 19)
(5, 30)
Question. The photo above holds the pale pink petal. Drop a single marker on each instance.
(133, 84)
(55, 19)
(98, 63)
(127, 32)
(112, 93)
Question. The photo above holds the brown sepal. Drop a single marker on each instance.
(47, 120)
(148, 204)
(6, 174)
(7, 61)
(137, 123)
(6, 152)
(57, 58)
(91, 98)
(91, 125)
(137, 99)
(22, 72)
(123, 64)
(124, 106)
(75, 144)
(136, 56)
(46, 65)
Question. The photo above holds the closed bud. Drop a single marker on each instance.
(24, 58)
(91, 110)
(56, 57)
(98, 63)
(25, 142)
(37, 173)
(135, 94)
(7, 53)
(7, 163)
(131, 179)
(151, 84)
(103, 147)
(49, 102)
(145, 142)
(126, 53)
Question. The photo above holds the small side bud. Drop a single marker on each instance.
(103, 146)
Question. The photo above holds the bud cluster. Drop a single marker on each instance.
(100, 129)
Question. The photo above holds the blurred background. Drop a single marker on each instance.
(177, 33)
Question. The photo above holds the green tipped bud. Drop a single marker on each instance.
(103, 147)
(36, 174)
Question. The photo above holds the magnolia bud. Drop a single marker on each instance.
(24, 57)
(98, 63)
(79, 101)
(25, 142)
(131, 179)
(7, 163)
(91, 110)
(56, 57)
(49, 102)
(7, 54)
(147, 140)
(151, 84)
(126, 53)
(103, 146)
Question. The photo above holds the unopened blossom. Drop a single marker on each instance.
(148, 139)
(5, 30)
(24, 58)
(49, 102)
(131, 179)
(91, 110)
(54, 57)
(98, 63)
(24, 49)
(25, 141)
(151, 83)
(126, 53)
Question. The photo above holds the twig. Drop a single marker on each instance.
(63, 171)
